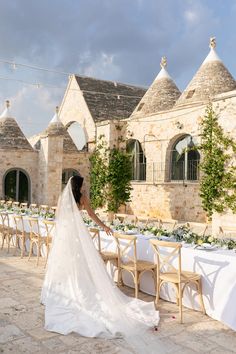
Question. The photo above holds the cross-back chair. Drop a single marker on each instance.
(35, 238)
(127, 260)
(6, 230)
(168, 273)
(43, 207)
(49, 226)
(21, 235)
(23, 205)
(198, 228)
(107, 256)
(168, 224)
(227, 231)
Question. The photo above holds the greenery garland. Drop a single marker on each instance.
(110, 176)
(218, 183)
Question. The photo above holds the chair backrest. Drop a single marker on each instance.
(19, 224)
(34, 227)
(142, 220)
(53, 209)
(127, 248)
(95, 234)
(198, 228)
(43, 207)
(15, 204)
(49, 226)
(168, 224)
(165, 253)
(5, 221)
(23, 205)
(227, 231)
(9, 203)
(2, 202)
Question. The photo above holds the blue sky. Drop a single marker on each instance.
(120, 40)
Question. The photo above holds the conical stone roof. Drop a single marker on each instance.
(11, 136)
(211, 79)
(161, 95)
(56, 128)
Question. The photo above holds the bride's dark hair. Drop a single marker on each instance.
(76, 184)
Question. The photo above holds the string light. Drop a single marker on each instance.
(40, 85)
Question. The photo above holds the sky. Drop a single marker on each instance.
(119, 40)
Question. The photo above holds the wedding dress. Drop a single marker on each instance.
(79, 295)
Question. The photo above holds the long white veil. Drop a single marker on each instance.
(79, 295)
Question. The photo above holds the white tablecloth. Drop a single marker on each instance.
(42, 230)
(218, 270)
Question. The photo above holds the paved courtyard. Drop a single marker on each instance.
(22, 318)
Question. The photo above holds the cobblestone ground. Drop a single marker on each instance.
(22, 317)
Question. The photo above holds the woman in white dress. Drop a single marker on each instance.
(78, 293)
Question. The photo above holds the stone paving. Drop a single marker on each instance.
(22, 318)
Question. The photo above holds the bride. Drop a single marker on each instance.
(79, 295)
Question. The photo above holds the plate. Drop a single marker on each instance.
(206, 247)
(131, 232)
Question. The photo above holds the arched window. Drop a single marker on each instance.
(67, 174)
(134, 148)
(17, 185)
(185, 160)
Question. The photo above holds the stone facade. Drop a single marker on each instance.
(155, 120)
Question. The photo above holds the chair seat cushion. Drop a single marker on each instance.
(141, 265)
(185, 277)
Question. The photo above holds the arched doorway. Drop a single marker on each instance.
(16, 184)
(185, 160)
(67, 174)
(135, 150)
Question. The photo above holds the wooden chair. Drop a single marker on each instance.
(53, 209)
(107, 256)
(9, 203)
(2, 202)
(23, 205)
(43, 207)
(6, 231)
(227, 231)
(33, 206)
(168, 224)
(49, 225)
(198, 228)
(167, 273)
(127, 260)
(35, 238)
(142, 220)
(20, 234)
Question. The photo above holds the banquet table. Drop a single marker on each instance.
(217, 267)
(218, 270)
(42, 229)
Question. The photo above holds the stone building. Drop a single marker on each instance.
(157, 125)
(35, 170)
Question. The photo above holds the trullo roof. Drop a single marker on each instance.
(11, 136)
(212, 78)
(161, 95)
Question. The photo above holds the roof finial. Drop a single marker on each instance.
(7, 103)
(57, 109)
(163, 62)
(212, 42)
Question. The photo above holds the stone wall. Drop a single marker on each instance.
(167, 201)
(79, 162)
(25, 160)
